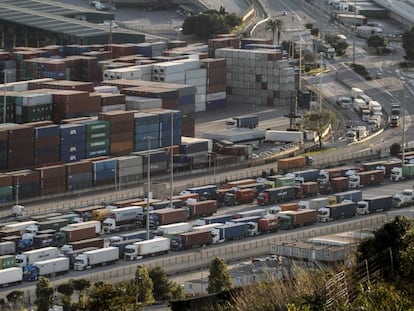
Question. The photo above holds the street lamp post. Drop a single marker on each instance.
(354, 39)
(149, 194)
(172, 160)
(4, 95)
(116, 183)
(320, 84)
(403, 121)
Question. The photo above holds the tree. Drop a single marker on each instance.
(395, 149)
(44, 294)
(376, 42)
(315, 32)
(177, 292)
(408, 44)
(318, 121)
(219, 278)
(145, 285)
(162, 286)
(275, 26)
(80, 285)
(105, 296)
(67, 290)
(15, 297)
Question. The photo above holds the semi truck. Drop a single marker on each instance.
(121, 219)
(239, 196)
(326, 175)
(192, 239)
(20, 226)
(54, 266)
(249, 121)
(201, 208)
(294, 219)
(250, 213)
(374, 205)
(98, 257)
(204, 192)
(345, 209)
(176, 228)
(30, 257)
(147, 248)
(304, 176)
(365, 179)
(11, 276)
(123, 244)
(72, 254)
(167, 216)
(309, 189)
(315, 203)
(351, 195)
(259, 225)
(94, 242)
(402, 173)
(337, 184)
(7, 248)
(223, 218)
(91, 223)
(403, 198)
(283, 207)
(292, 163)
(215, 233)
(274, 195)
(69, 235)
(232, 231)
(141, 234)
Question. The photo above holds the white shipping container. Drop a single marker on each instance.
(55, 265)
(284, 136)
(356, 92)
(200, 98)
(196, 73)
(113, 107)
(86, 224)
(174, 228)
(131, 171)
(178, 77)
(128, 73)
(168, 68)
(106, 89)
(215, 96)
(196, 82)
(10, 276)
(141, 103)
(190, 64)
(201, 89)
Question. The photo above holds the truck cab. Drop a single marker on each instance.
(366, 115)
(395, 121)
(404, 198)
(354, 181)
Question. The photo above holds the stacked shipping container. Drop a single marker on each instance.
(72, 142)
(52, 179)
(215, 82)
(46, 144)
(79, 175)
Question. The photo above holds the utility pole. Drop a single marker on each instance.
(149, 194)
(172, 159)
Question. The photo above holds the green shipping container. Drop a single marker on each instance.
(408, 170)
(54, 224)
(285, 181)
(97, 144)
(5, 191)
(7, 261)
(98, 135)
(98, 126)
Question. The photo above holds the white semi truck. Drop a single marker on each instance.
(147, 248)
(98, 257)
(30, 257)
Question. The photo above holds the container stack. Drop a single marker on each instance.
(146, 125)
(197, 77)
(6, 189)
(33, 107)
(65, 85)
(119, 50)
(71, 104)
(98, 133)
(39, 68)
(78, 175)
(258, 77)
(10, 109)
(72, 142)
(152, 49)
(170, 72)
(104, 171)
(122, 131)
(4, 152)
(194, 150)
(6, 63)
(27, 183)
(20, 146)
(21, 56)
(52, 179)
(129, 169)
(142, 103)
(158, 161)
(222, 41)
(111, 102)
(127, 73)
(244, 42)
(216, 82)
(46, 144)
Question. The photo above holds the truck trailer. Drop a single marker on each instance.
(294, 219)
(274, 195)
(201, 208)
(99, 257)
(54, 266)
(167, 216)
(374, 205)
(345, 209)
(11, 276)
(121, 219)
(147, 248)
(365, 179)
(30, 257)
(191, 239)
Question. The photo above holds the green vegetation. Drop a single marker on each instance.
(210, 23)
(219, 279)
(275, 26)
(361, 70)
(408, 44)
(395, 149)
(318, 121)
(379, 44)
(339, 45)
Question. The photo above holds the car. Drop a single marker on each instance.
(378, 75)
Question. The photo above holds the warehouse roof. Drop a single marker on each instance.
(404, 9)
(55, 18)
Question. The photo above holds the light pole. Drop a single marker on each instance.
(353, 46)
(403, 121)
(172, 160)
(149, 194)
(4, 97)
(116, 183)
(320, 85)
